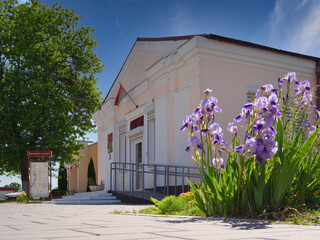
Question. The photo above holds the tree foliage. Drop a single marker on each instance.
(16, 185)
(47, 82)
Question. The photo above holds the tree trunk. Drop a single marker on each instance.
(24, 176)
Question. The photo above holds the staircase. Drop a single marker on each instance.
(88, 198)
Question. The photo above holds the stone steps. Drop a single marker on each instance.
(88, 198)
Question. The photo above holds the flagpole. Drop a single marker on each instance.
(131, 98)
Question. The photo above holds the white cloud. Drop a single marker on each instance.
(306, 38)
(295, 25)
(303, 3)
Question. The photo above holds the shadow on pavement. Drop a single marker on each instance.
(238, 224)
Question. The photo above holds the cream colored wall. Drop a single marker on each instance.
(230, 82)
(136, 72)
(78, 177)
(83, 169)
(72, 180)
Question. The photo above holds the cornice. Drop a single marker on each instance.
(189, 54)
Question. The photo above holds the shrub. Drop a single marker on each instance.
(22, 198)
(91, 175)
(172, 205)
(62, 178)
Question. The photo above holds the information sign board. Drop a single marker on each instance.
(39, 153)
(39, 185)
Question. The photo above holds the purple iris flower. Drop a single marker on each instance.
(217, 109)
(263, 145)
(213, 101)
(198, 115)
(273, 99)
(218, 139)
(239, 149)
(268, 89)
(207, 91)
(232, 128)
(188, 122)
(215, 128)
(218, 163)
(265, 90)
(204, 104)
(312, 129)
(198, 112)
(204, 131)
(290, 76)
(209, 111)
(273, 110)
(195, 128)
(318, 114)
(248, 106)
(269, 121)
(306, 100)
(302, 86)
(261, 102)
(238, 118)
(305, 84)
(306, 123)
(257, 127)
(245, 111)
(195, 142)
(281, 81)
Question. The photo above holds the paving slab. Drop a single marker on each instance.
(51, 221)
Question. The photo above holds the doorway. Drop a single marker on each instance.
(136, 157)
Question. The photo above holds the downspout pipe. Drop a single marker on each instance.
(318, 82)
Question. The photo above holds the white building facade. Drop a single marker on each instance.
(165, 77)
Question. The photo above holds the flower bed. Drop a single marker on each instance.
(275, 164)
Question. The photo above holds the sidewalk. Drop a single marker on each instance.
(50, 221)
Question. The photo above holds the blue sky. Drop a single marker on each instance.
(292, 25)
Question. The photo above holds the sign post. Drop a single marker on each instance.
(39, 154)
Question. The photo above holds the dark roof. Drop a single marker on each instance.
(174, 38)
(217, 38)
(254, 45)
(230, 40)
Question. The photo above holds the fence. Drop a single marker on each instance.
(154, 179)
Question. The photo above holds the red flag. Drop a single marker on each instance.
(121, 95)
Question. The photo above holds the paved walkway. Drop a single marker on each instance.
(49, 221)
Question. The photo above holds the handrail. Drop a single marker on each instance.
(137, 172)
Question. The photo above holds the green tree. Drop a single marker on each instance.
(91, 175)
(62, 178)
(47, 83)
(16, 185)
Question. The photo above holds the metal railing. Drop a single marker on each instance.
(167, 179)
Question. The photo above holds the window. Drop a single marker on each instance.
(251, 95)
(122, 145)
(151, 139)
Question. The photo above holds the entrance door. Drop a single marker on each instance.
(136, 157)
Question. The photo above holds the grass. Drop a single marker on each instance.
(185, 205)
(306, 217)
(15, 201)
(123, 212)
